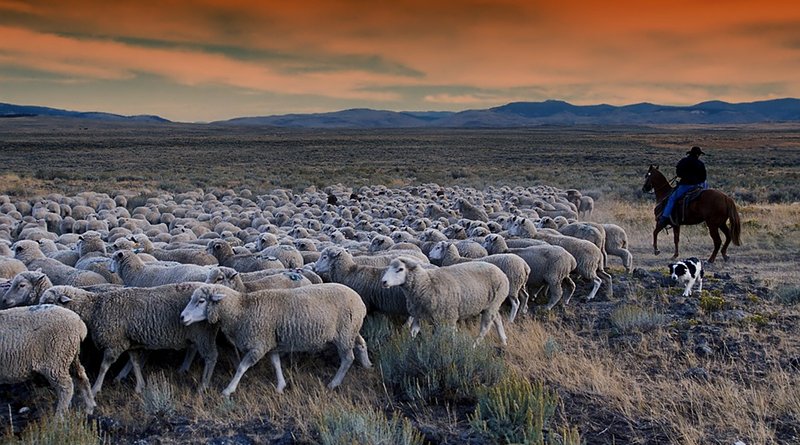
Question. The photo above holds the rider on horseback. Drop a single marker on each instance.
(692, 173)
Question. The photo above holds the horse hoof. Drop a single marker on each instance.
(656, 252)
(710, 261)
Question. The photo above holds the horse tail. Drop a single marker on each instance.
(736, 226)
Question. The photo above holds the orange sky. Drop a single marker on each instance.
(207, 60)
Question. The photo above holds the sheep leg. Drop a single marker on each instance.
(346, 358)
(525, 297)
(275, 358)
(361, 352)
(109, 357)
(414, 327)
(124, 372)
(84, 387)
(62, 384)
(210, 361)
(606, 277)
(554, 291)
(188, 359)
(514, 307)
(597, 282)
(571, 285)
(251, 358)
(137, 371)
(498, 323)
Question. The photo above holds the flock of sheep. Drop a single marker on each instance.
(276, 273)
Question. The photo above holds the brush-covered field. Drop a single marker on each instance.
(645, 367)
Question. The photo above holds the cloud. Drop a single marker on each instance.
(101, 59)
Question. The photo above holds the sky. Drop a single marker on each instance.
(208, 60)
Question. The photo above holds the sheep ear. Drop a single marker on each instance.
(217, 297)
(235, 274)
(217, 246)
(40, 278)
(64, 299)
(80, 237)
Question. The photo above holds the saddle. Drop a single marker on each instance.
(681, 206)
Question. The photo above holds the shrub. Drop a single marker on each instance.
(630, 318)
(516, 411)
(440, 367)
(788, 294)
(73, 428)
(711, 302)
(157, 398)
(366, 426)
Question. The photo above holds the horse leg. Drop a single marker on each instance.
(676, 235)
(714, 232)
(727, 234)
(658, 228)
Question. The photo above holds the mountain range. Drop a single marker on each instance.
(516, 114)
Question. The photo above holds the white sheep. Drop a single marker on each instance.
(550, 269)
(446, 295)
(341, 267)
(233, 279)
(617, 244)
(44, 340)
(588, 257)
(132, 318)
(59, 273)
(516, 269)
(25, 289)
(283, 320)
(248, 262)
(134, 272)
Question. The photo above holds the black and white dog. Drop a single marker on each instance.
(688, 272)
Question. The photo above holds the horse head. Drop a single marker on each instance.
(648, 179)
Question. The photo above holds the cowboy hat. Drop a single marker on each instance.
(695, 151)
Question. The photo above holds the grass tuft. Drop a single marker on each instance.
(73, 429)
(516, 411)
(366, 426)
(630, 318)
(440, 367)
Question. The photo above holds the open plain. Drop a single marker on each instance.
(646, 366)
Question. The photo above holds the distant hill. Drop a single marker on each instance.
(550, 112)
(10, 110)
(516, 114)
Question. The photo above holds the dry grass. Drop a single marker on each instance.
(616, 386)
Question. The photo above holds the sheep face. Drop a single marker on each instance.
(438, 250)
(197, 308)
(397, 272)
(326, 260)
(378, 243)
(25, 287)
(55, 295)
(221, 275)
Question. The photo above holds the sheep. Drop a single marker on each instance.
(222, 251)
(550, 269)
(59, 273)
(183, 255)
(10, 267)
(232, 278)
(446, 295)
(25, 289)
(341, 267)
(44, 340)
(131, 318)
(516, 269)
(583, 204)
(593, 232)
(134, 272)
(617, 244)
(283, 320)
(589, 258)
(289, 256)
(470, 211)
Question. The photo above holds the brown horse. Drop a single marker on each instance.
(712, 207)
